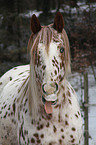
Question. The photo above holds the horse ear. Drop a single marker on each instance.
(35, 24)
(58, 22)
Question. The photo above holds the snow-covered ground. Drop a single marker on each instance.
(77, 81)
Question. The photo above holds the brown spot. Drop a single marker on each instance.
(63, 87)
(70, 101)
(76, 115)
(57, 67)
(61, 66)
(16, 80)
(26, 111)
(55, 60)
(73, 129)
(64, 97)
(39, 62)
(59, 117)
(10, 78)
(43, 67)
(79, 141)
(38, 141)
(5, 106)
(73, 140)
(0, 83)
(66, 115)
(38, 127)
(47, 124)
(25, 132)
(54, 128)
(55, 72)
(68, 93)
(32, 121)
(60, 77)
(18, 92)
(21, 73)
(71, 136)
(36, 135)
(1, 108)
(56, 106)
(63, 137)
(66, 122)
(72, 90)
(11, 113)
(39, 119)
(41, 126)
(62, 130)
(38, 122)
(51, 79)
(49, 116)
(15, 68)
(42, 136)
(4, 116)
(14, 108)
(32, 140)
(60, 141)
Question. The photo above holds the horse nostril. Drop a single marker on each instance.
(56, 87)
(50, 88)
(43, 88)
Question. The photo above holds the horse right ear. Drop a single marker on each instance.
(35, 24)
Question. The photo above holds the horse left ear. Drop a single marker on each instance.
(58, 22)
(35, 24)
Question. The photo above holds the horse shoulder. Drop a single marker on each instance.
(10, 84)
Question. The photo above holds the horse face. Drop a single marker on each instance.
(49, 55)
(50, 66)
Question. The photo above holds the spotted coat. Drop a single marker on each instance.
(49, 129)
(38, 106)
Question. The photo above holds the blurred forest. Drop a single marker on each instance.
(80, 25)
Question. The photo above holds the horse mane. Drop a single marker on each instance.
(45, 35)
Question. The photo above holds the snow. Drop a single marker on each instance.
(30, 13)
(77, 81)
(65, 8)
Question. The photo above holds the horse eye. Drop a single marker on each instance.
(61, 49)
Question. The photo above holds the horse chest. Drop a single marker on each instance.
(55, 130)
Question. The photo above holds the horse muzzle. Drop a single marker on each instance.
(50, 91)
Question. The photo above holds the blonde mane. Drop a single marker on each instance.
(45, 35)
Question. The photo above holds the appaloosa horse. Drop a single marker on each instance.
(37, 103)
